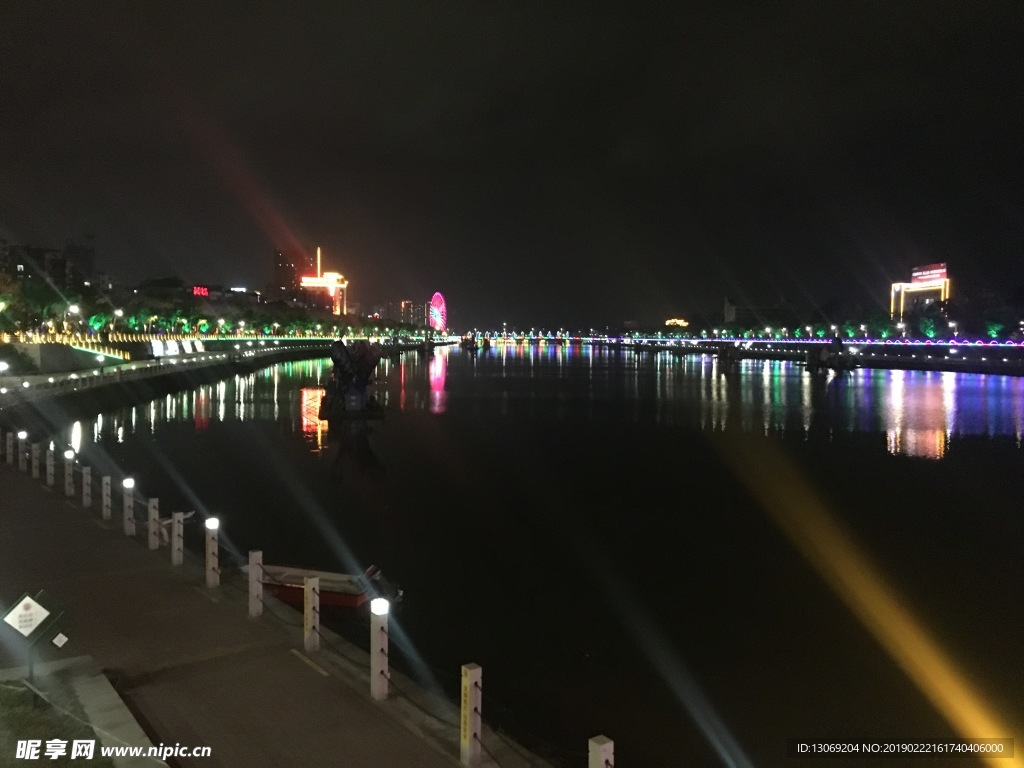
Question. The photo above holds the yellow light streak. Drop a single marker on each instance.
(803, 517)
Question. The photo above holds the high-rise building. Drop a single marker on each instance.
(286, 273)
(405, 311)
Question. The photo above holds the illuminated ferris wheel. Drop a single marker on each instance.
(438, 313)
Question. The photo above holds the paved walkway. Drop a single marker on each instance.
(191, 665)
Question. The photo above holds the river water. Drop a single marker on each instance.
(697, 563)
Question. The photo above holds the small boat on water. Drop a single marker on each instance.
(337, 590)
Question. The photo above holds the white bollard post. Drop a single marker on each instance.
(212, 553)
(86, 487)
(105, 497)
(49, 467)
(69, 476)
(472, 699)
(36, 453)
(10, 447)
(600, 752)
(255, 583)
(128, 488)
(311, 613)
(153, 523)
(379, 672)
(177, 538)
(22, 455)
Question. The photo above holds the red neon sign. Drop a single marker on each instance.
(200, 290)
(928, 273)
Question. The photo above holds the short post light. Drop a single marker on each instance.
(105, 510)
(379, 673)
(177, 538)
(128, 488)
(86, 487)
(600, 752)
(153, 523)
(49, 467)
(212, 553)
(69, 473)
(311, 613)
(471, 713)
(255, 583)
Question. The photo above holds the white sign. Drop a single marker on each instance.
(60, 639)
(26, 616)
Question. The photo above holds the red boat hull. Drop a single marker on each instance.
(293, 595)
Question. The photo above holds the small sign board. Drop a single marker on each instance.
(60, 639)
(928, 273)
(26, 615)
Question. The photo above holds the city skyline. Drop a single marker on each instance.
(538, 166)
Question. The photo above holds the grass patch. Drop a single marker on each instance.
(20, 721)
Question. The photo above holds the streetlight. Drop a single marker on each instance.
(73, 309)
(379, 667)
(212, 553)
(128, 508)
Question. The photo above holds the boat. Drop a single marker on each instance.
(337, 590)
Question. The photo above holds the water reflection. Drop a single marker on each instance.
(917, 413)
(438, 373)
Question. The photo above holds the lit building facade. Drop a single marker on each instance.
(332, 286)
(928, 283)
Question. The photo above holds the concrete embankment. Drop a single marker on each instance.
(49, 402)
(193, 668)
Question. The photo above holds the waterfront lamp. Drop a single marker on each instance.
(212, 553)
(128, 486)
(379, 668)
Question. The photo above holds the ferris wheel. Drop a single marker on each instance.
(438, 313)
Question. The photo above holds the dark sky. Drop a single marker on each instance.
(539, 163)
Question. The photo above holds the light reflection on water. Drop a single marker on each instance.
(919, 413)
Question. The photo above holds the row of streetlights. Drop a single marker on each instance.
(902, 327)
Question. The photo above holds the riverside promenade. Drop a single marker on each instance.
(190, 664)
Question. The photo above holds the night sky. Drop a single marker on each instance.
(540, 163)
